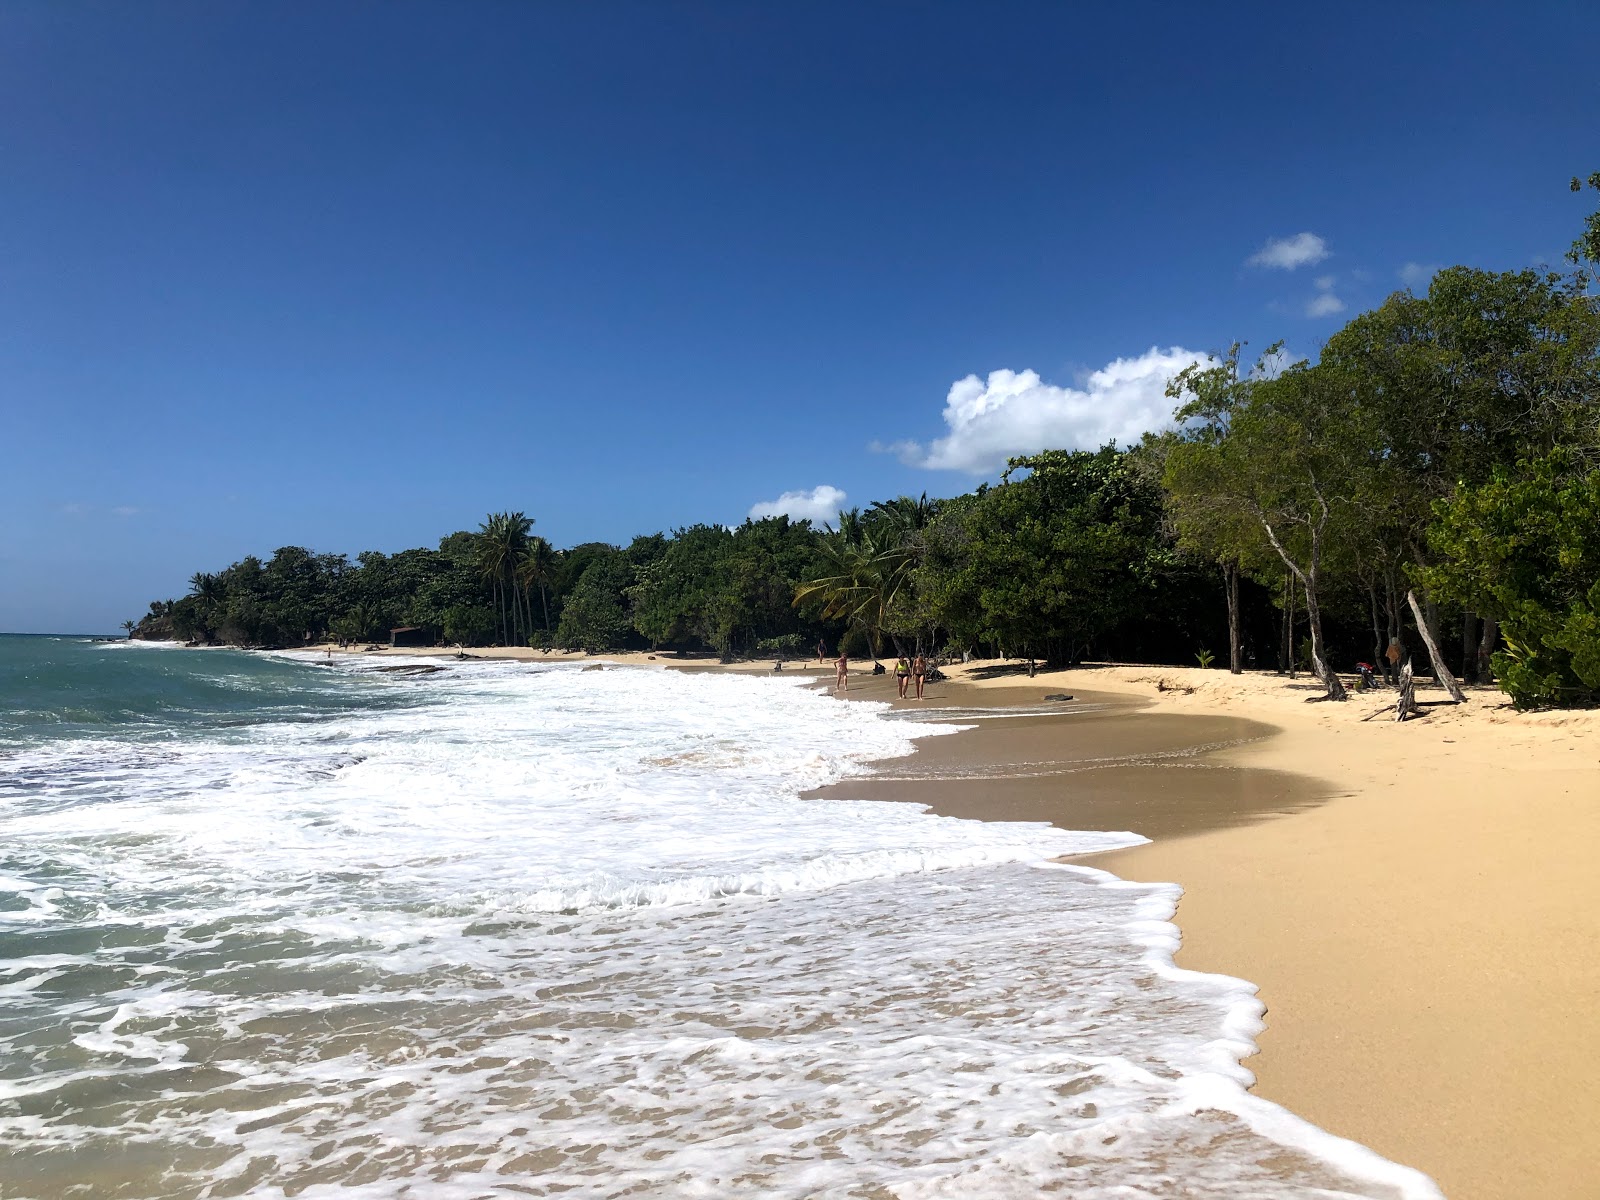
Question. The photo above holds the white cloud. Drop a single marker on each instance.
(1288, 253)
(1417, 275)
(821, 503)
(1324, 304)
(1016, 413)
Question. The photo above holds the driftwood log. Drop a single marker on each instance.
(1406, 706)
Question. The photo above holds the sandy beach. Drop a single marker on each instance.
(1418, 903)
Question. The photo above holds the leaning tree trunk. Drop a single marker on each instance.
(1230, 579)
(1440, 671)
(1324, 673)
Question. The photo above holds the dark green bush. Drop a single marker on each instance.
(1525, 550)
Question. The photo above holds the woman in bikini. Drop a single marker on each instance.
(919, 669)
(902, 676)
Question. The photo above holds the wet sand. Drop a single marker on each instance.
(1097, 762)
(1419, 903)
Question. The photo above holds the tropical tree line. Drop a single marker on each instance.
(1438, 462)
(1431, 484)
(1070, 555)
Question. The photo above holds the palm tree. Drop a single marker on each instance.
(867, 576)
(502, 542)
(210, 593)
(903, 519)
(127, 628)
(207, 588)
(537, 569)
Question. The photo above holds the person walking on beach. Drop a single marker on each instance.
(841, 673)
(822, 651)
(919, 671)
(902, 676)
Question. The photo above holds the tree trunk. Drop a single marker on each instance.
(1230, 578)
(1286, 651)
(1469, 643)
(1486, 644)
(1379, 662)
(1324, 673)
(1440, 671)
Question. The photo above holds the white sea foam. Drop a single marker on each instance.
(513, 931)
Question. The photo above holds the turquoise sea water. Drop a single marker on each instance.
(277, 928)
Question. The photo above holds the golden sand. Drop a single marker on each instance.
(1427, 940)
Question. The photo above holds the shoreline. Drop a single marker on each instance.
(1413, 901)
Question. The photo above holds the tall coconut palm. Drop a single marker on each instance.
(537, 569)
(502, 542)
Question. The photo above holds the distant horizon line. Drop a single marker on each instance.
(119, 635)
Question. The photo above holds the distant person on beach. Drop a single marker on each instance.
(919, 673)
(841, 676)
(902, 676)
(822, 650)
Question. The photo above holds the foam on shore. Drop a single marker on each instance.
(504, 930)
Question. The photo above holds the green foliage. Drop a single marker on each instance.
(1586, 249)
(1525, 549)
(1205, 658)
(787, 645)
(468, 625)
(595, 616)
(1047, 562)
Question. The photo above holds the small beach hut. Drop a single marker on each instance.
(409, 635)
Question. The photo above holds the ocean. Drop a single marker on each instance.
(271, 927)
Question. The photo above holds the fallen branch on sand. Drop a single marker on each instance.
(1163, 686)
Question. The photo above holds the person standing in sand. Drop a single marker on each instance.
(902, 676)
(919, 671)
(841, 675)
(822, 651)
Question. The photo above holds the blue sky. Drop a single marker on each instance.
(350, 276)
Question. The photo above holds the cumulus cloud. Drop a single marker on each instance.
(1014, 413)
(1285, 254)
(1417, 275)
(821, 503)
(1324, 303)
